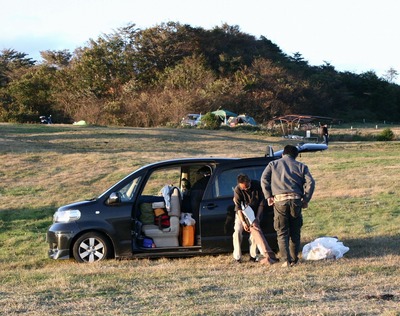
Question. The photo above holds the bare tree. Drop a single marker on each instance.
(391, 75)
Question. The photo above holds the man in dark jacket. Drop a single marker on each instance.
(288, 185)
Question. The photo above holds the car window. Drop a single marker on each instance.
(226, 181)
(128, 191)
(194, 173)
(161, 177)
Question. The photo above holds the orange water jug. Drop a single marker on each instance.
(187, 236)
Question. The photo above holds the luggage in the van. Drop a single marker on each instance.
(160, 204)
(159, 211)
(162, 221)
(148, 243)
(146, 213)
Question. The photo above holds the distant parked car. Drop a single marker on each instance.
(241, 120)
(191, 120)
(122, 221)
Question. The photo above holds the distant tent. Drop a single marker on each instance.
(224, 115)
(80, 123)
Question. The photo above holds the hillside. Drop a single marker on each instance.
(153, 77)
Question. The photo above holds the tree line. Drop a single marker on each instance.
(154, 76)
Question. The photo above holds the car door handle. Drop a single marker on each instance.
(211, 206)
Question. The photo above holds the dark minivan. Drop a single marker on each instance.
(120, 223)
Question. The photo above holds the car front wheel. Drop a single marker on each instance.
(91, 247)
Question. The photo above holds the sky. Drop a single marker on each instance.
(351, 35)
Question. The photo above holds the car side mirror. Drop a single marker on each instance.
(114, 198)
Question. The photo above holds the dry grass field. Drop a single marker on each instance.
(43, 167)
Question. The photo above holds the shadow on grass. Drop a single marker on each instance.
(372, 246)
(69, 139)
(26, 220)
(351, 138)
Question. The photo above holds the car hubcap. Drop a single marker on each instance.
(91, 250)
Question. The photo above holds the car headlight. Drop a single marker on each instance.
(66, 216)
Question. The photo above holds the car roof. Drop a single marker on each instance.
(188, 161)
(219, 160)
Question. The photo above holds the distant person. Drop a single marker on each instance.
(324, 133)
(288, 186)
(248, 193)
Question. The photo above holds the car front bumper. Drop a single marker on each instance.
(59, 237)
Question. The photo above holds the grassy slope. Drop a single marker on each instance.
(43, 167)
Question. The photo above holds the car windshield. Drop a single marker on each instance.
(192, 117)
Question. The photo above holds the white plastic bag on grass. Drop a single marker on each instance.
(324, 248)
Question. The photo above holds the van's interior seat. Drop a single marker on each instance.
(167, 237)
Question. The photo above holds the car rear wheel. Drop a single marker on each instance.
(91, 247)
